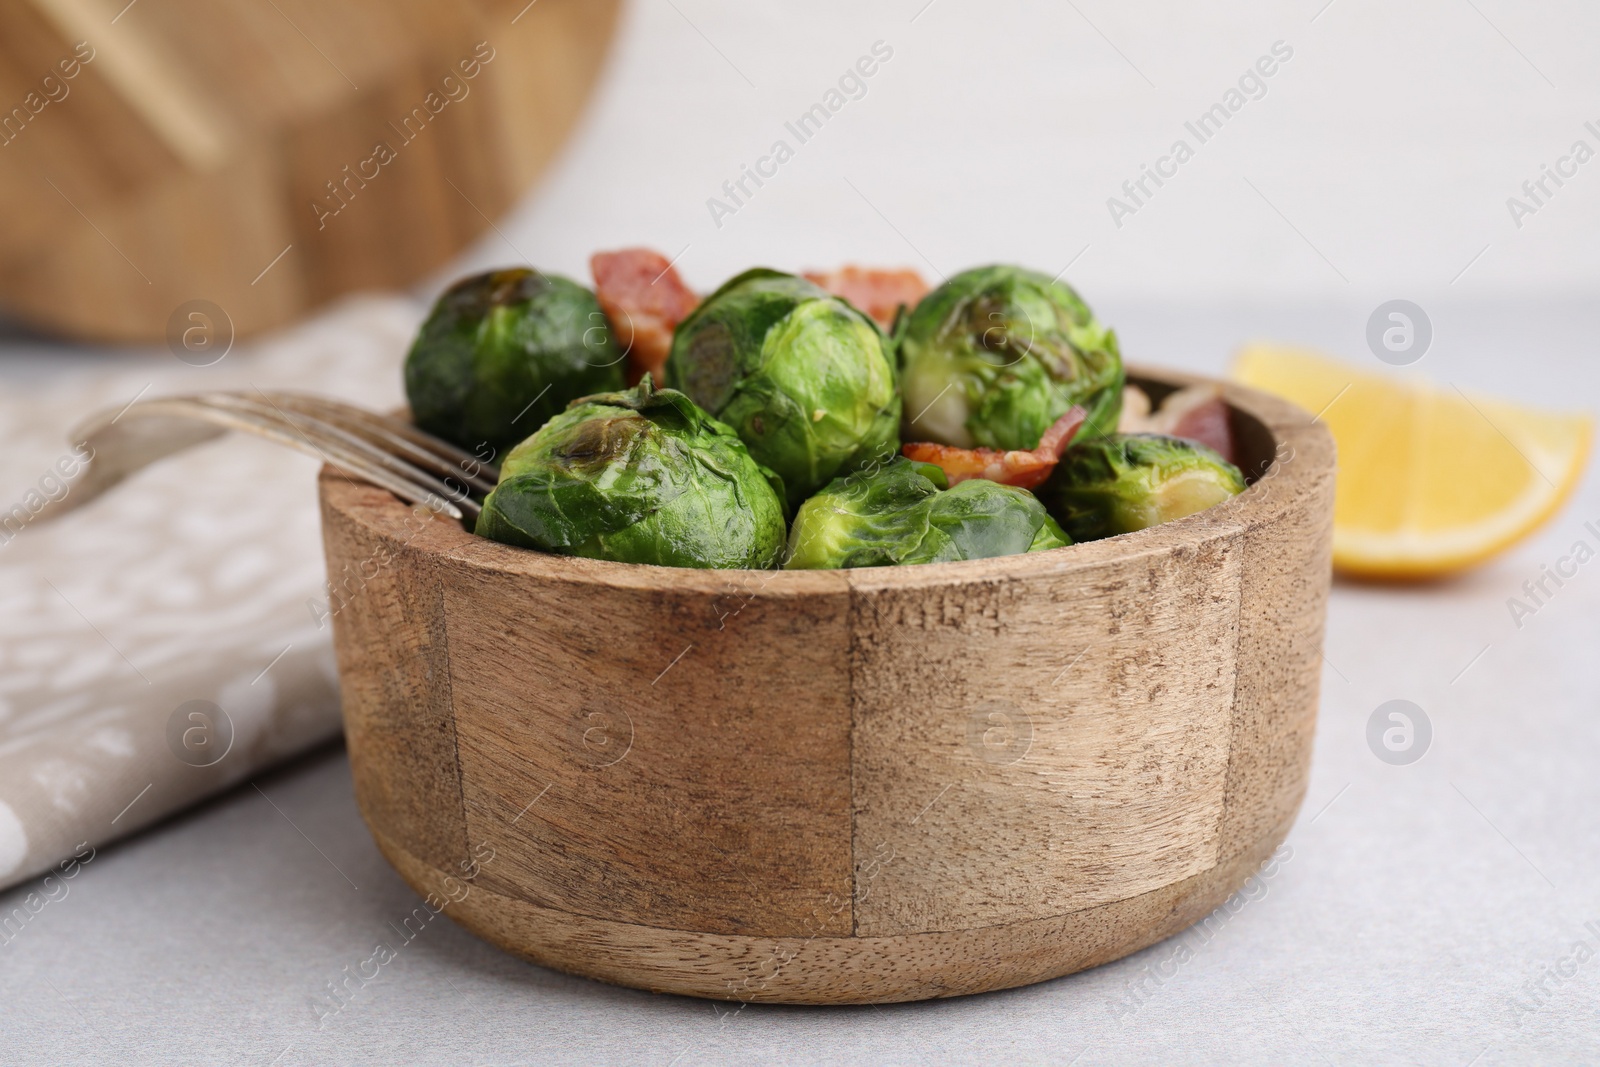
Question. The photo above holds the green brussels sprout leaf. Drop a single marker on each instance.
(901, 513)
(1127, 482)
(503, 352)
(995, 355)
(641, 476)
(804, 379)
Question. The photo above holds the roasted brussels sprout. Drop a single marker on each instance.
(1126, 482)
(902, 513)
(804, 379)
(642, 476)
(502, 352)
(996, 354)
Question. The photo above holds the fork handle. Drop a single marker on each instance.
(128, 440)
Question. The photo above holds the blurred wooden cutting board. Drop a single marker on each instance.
(266, 155)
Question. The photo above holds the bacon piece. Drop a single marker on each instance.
(644, 300)
(877, 292)
(1207, 423)
(1195, 413)
(1022, 469)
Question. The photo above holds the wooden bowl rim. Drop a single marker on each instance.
(1310, 457)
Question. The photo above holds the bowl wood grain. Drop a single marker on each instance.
(229, 152)
(840, 787)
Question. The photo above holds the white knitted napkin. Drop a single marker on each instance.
(126, 624)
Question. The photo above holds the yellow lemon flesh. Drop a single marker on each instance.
(1431, 480)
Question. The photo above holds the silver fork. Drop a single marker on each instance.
(386, 451)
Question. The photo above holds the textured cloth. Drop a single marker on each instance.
(189, 582)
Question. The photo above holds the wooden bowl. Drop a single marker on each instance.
(199, 169)
(834, 787)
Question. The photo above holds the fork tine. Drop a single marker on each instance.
(332, 451)
(387, 452)
(427, 451)
(135, 437)
(400, 427)
(325, 433)
(350, 455)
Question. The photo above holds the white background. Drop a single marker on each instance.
(1391, 139)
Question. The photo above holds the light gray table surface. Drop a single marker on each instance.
(1432, 913)
(1428, 913)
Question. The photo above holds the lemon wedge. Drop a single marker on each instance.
(1431, 480)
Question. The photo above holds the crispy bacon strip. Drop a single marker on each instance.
(1195, 413)
(877, 292)
(1207, 423)
(1022, 469)
(644, 300)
